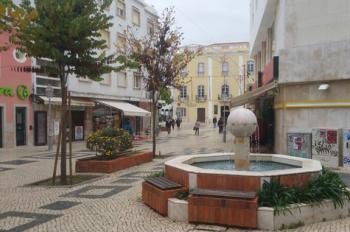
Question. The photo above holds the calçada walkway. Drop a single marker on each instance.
(110, 203)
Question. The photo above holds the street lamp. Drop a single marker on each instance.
(49, 94)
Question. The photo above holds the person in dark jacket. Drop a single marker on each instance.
(214, 122)
(221, 125)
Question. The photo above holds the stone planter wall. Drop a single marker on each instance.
(302, 215)
(178, 210)
(108, 166)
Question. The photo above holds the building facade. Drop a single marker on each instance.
(301, 49)
(210, 81)
(16, 124)
(99, 104)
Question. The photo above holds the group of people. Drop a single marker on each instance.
(170, 123)
(219, 123)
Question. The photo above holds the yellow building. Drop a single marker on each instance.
(210, 81)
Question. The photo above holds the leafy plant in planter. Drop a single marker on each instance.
(109, 142)
(328, 185)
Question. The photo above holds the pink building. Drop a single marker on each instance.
(15, 106)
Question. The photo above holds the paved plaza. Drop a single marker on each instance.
(112, 202)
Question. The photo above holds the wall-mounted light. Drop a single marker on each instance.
(323, 87)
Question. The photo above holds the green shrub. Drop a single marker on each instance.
(328, 185)
(109, 142)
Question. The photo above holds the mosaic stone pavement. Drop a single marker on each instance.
(111, 202)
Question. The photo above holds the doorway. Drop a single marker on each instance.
(20, 126)
(1, 126)
(40, 128)
(201, 114)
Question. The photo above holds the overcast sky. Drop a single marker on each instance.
(209, 21)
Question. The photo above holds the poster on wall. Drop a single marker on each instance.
(346, 148)
(299, 144)
(325, 146)
(78, 132)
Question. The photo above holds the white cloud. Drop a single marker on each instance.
(209, 21)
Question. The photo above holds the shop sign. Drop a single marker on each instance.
(21, 91)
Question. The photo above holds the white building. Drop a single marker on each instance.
(298, 45)
(96, 102)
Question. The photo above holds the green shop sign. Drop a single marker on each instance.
(22, 92)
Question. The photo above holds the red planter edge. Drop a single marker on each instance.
(109, 166)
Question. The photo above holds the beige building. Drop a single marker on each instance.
(210, 81)
(301, 49)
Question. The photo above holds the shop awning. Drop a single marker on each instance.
(74, 101)
(252, 95)
(127, 108)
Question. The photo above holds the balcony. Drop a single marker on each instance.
(201, 98)
(224, 97)
(183, 98)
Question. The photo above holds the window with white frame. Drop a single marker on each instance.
(137, 80)
(225, 90)
(121, 43)
(122, 79)
(225, 68)
(106, 36)
(200, 91)
(181, 112)
(183, 92)
(150, 27)
(200, 69)
(250, 67)
(136, 20)
(121, 9)
(106, 79)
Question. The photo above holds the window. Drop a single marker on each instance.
(105, 36)
(200, 69)
(250, 67)
(136, 16)
(19, 56)
(121, 9)
(121, 43)
(183, 92)
(183, 72)
(200, 91)
(137, 80)
(215, 109)
(106, 79)
(225, 90)
(122, 79)
(150, 27)
(180, 112)
(225, 68)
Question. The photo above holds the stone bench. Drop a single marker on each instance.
(223, 207)
(157, 190)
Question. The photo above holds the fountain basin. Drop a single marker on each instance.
(298, 172)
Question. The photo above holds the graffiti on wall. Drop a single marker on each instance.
(299, 145)
(346, 148)
(325, 146)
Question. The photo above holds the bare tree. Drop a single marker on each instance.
(160, 59)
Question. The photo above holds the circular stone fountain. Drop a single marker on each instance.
(240, 170)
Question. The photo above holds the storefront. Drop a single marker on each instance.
(118, 114)
(15, 104)
(81, 111)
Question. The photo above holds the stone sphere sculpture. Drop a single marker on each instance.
(241, 122)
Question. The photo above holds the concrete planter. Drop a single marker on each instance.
(302, 215)
(178, 210)
(108, 166)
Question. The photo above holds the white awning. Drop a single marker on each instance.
(127, 108)
(74, 101)
(252, 95)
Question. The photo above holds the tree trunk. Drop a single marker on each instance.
(154, 107)
(63, 176)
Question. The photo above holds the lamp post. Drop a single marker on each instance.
(49, 94)
(225, 99)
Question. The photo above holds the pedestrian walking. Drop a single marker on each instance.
(178, 123)
(168, 125)
(196, 127)
(214, 122)
(220, 125)
(173, 123)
